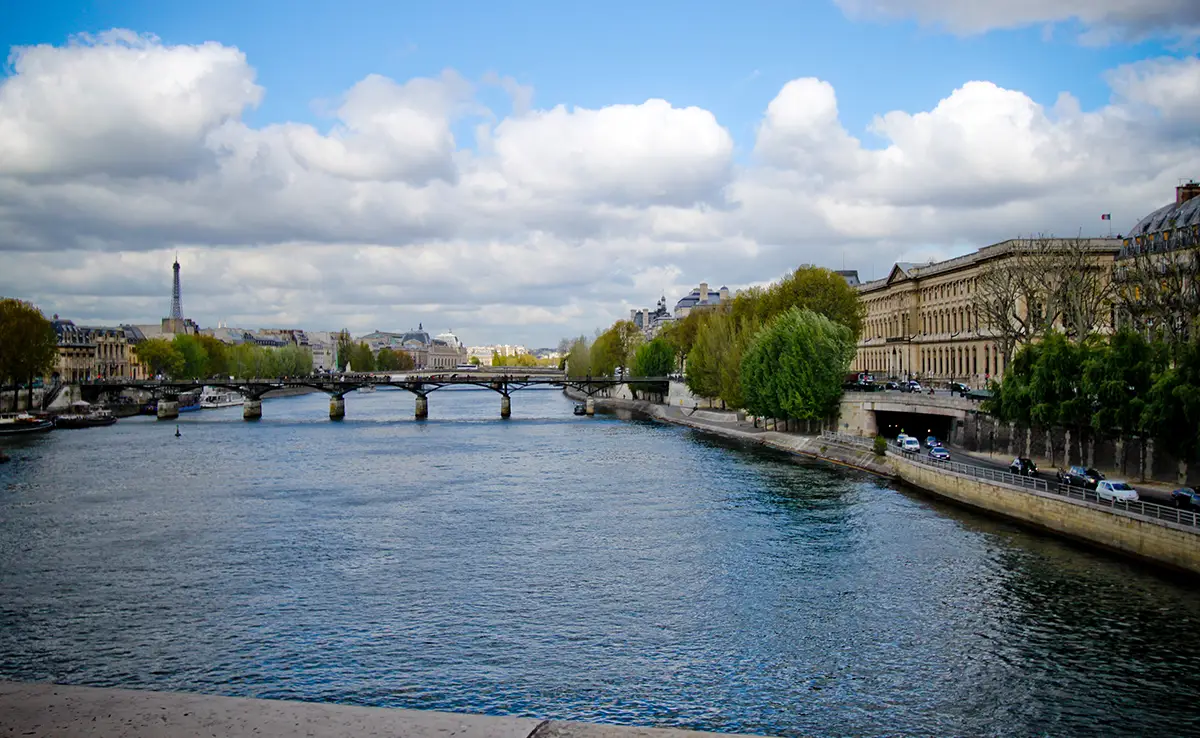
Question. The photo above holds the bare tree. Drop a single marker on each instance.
(1158, 285)
(1085, 289)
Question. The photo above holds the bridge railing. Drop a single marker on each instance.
(1140, 508)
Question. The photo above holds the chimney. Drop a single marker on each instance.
(1186, 192)
(724, 294)
(704, 292)
(633, 316)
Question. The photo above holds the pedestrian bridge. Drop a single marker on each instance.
(337, 386)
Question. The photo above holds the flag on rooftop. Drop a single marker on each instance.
(1106, 216)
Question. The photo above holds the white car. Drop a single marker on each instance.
(910, 446)
(1115, 489)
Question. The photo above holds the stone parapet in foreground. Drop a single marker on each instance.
(53, 710)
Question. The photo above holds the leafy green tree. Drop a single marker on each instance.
(292, 361)
(474, 361)
(28, 343)
(361, 358)
(1117, 378)
(579, 358)
(160, 357)
(387, 360)
(681, 334)
(345, 350)
(195, 357)
(218, 355)
(795, 365)
(713, 343)
(654, 359)
(1172, 412)
(807, 288)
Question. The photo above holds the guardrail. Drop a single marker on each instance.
(849, 440)
(1150, 510)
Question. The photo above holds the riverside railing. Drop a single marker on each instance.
(1151, 510)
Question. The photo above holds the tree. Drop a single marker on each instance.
(1172, 413)
(808, 288)
(714, 339)
(345, 350)
(794, 366)
(1158, 285)
(681, 334)
(387, 360)
(195, 357)
(361, 358)
(160, 357)
(579, 358)
(1117, 378)
(218, 355)
(654, 359)
(28, 343)
(473, 361)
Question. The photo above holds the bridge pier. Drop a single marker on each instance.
(337, 407)
(168, 409)
(505, 406)
(251, 408)
(422, 407)
(590, 407)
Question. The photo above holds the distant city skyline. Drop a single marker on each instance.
(528, 175)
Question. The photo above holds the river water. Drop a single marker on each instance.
(564, 567)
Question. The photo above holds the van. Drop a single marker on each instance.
(911, 446)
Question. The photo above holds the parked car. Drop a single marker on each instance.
(1078, 476)
(1113, 489)
(937, 453)
(891, 386)
(931, 441)
(958, 388)
(910, 446)
(1185, 497)
(1023, 467)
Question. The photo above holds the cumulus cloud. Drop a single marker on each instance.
(555, 222)
(1105, 19)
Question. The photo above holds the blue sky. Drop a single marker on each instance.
(238, 135)
(730, 59)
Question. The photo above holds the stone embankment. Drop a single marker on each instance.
(57, 710)
(727, 424)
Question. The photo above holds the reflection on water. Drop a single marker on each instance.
(564, 567)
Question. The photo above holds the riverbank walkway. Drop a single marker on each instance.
(54, 711)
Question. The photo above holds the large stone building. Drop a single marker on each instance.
(95, 352)
(922, 321)
(442, 352)
(700, 298)
(1158, 268)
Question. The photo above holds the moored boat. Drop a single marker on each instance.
(580, 409)
(215, 397)
(189, 401)
(12, 424)
(83, 415)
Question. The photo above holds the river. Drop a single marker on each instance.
(564, 567)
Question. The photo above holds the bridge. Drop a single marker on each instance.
(888, 412)
(337, 386)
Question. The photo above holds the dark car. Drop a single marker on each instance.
(891, 386)
(958, 388)
(1185, 497)
(1023, 467)
(1078, 476)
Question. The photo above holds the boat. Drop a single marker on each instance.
(189, 401)
(83, 415)
(367, 388)
(580, 409)
(12, 424)
(214, 397)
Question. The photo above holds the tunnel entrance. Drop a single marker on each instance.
(919, 425)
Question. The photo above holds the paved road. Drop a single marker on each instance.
(1001, 462)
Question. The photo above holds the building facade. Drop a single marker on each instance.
(922, 321)
(700, 298)
(94, 352)
(443, 352)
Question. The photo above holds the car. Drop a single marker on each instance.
(1023, 467)
(1078, 476)
(1115, 489)
(891, 386)
(900, 439)
(910, 386)
(910, 445)
(958, 388)
(932, 441)
(1185, 497)
(937, 453)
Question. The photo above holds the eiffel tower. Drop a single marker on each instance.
(176, 296)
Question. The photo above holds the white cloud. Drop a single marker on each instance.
(560, 219)
(1105, 20)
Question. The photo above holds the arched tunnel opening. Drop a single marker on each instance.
(920, 425)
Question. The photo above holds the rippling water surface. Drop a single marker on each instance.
(563, 567)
